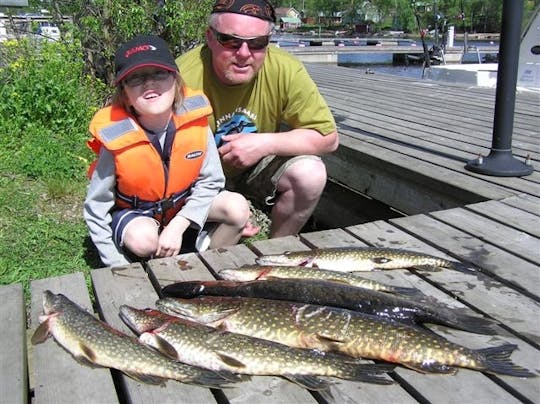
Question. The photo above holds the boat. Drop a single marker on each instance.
(485, 74)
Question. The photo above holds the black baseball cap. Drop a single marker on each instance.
(143, 51)
(262, 9)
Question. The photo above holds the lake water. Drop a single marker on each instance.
(382, 62)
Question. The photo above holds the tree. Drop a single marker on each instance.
(102, 25)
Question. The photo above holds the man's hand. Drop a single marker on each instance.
(243, 150)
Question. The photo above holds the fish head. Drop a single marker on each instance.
(204, 309)
(142, 320)
(289, 258)
(54, 303)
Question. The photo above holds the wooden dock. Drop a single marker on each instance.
(504, 286)
(403, 142)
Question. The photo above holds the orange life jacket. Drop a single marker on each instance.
(142, 180)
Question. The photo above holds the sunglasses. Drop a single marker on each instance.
(138, 79)
(235, 42)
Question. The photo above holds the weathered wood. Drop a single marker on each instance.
(517, 242)
(13, 364)
(509, 216)
(59, 378)
(130, 285)
(401, 144)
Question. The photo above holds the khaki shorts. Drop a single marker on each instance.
(259, 184)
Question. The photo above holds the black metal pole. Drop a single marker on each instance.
(500, 161)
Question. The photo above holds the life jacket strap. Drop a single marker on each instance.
(159, 208)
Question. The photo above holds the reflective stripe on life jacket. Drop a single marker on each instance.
(141, 174)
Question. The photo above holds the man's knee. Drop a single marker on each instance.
(307, 176)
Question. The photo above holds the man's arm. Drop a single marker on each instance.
(245, 150)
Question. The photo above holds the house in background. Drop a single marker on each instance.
(288, 18)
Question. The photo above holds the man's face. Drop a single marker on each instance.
(234, 60)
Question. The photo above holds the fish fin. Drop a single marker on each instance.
(430, 368)
(231, 376)
(230, 361)
(88, 354)
(368, 372)
(41, 334)
(155, 341)
(498, 361)
(140, 377)
(308, 382)
(326, 395)
(402, 290)
(427, 267)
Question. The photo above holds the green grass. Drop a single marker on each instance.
(42, 232)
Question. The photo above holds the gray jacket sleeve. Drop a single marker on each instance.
(97, 207)
(210, 182)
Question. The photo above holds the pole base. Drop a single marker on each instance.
(499, 163)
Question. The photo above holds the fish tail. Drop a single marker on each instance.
(459, 266)
(474, 324)
(368, 373)
(497, 360)
(307, 381)
(215, 380)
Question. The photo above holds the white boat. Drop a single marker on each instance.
(485, 74)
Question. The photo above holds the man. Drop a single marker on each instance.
(270, 122)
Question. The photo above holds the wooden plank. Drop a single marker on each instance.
(517, 242)
(466, 385)
(188, 267)
(58, 377)
(524, 202)
(508, 215)
(130, 285)
(13, 368)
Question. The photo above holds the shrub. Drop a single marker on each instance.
(44, 126)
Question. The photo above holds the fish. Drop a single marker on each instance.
(201, 345)
(423, 309)
(357, 259)
(95, 343)
(263, 272)
(330, 329)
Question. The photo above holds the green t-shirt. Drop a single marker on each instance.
(282, 95)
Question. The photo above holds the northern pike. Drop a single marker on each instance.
(424, 309)
(353, 259)
(264, 272)
(204, 346)
(338, 330)
(93, 342)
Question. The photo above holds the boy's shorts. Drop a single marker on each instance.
(192, 239)
(259, 184)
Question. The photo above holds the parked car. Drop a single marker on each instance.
(48, 31)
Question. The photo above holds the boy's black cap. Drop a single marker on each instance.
(142, 51)
(262, 9)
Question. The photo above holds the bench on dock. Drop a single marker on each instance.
(504, 256)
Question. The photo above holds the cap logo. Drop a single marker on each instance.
(139, 48)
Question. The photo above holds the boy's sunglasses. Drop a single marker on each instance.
(138, 79)
(235, 42)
